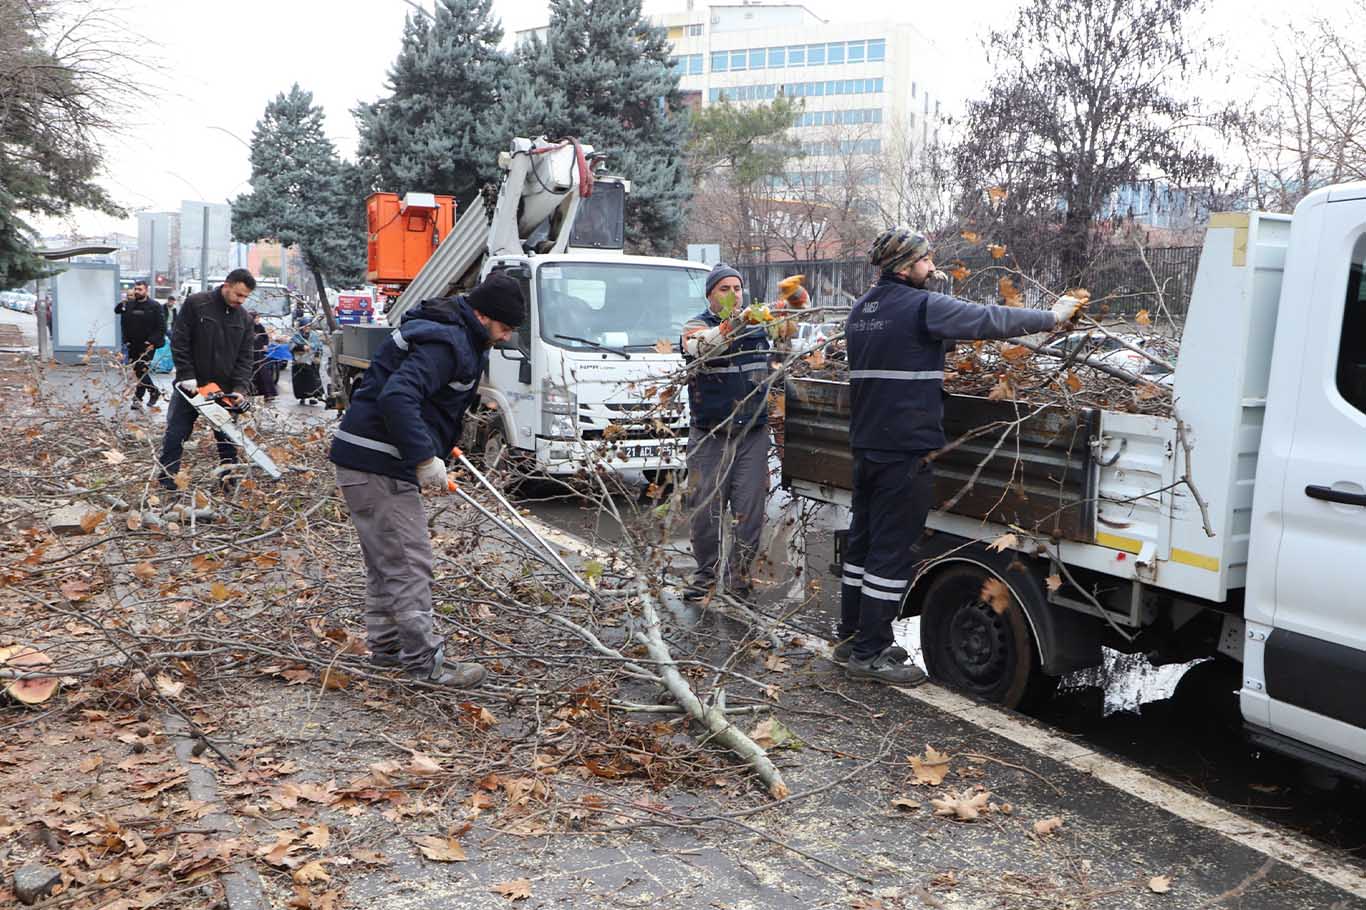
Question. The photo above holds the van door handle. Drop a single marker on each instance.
(1328, 494)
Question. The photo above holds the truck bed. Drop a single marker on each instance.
(1025, 466)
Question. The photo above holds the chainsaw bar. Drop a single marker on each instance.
(219, 418)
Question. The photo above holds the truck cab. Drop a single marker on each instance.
(585, 374)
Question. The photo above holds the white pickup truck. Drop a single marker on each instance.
(1269, 424)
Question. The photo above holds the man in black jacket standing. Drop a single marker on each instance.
(144, 330)
(211, 343)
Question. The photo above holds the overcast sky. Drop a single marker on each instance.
(211, 68)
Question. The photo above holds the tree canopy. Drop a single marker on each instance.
(302, 193)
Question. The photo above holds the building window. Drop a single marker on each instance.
(694, 64)
(855, 52)
(695, 31)
(713, 95)
(757, 56)
(719, 59)
(737, 60)
(815, 54)
(877, 50)
(878, 83)
(834, 53)
(877, 115)
(796, 56)
(775, 57)
(679, 65)
(913, 89)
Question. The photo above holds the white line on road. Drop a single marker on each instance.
(1278, 844)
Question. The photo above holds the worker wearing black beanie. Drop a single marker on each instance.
(499, 296)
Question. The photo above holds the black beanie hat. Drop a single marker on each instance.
(499, 297)
(718, 272)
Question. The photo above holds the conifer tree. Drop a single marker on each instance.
(302, 194)
(603, 75)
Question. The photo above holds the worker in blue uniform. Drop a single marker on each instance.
(897, 336)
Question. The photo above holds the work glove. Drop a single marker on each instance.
(189, 386)
(431, 475)
(1065, 310)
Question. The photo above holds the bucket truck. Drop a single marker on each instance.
(577, 383)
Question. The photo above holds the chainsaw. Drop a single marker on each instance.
(219, 408)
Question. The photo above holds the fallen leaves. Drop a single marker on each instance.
(905, 804)
(441, 849)
(770, 733)
(664, 346)
(1046, 826)
(1159, 884)
(1004, 542)
(1010, 292)
(1053, 583)
(966, 806)
(930, 768)
(145, 571)
(515, 890)
(92, 520)
(1142, 318)
(114, 456)
(1002, 391)
(997, 250)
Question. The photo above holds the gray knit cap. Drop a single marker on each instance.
(718, 272)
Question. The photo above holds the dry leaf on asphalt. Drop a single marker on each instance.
(965, 806)
(92, 520)
(1159, 884)
(311, 871)
(145, 571)
(905, 804)
(167, 686)
(515, 890)
(441, 849)
(423, 765)
(930, 768)
(114, 456)
(1046, 826)
(317, 836)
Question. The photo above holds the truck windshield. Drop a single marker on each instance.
(269, 300)
(617, 305)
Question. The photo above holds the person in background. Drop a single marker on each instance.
(263, 375)
(306, 347)
(144, 330)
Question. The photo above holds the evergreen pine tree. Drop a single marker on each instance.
(603, 75)
(302, 194)
(439, 130)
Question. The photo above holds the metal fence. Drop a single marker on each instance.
(1120, 279)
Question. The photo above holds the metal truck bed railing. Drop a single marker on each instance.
(1041, 477)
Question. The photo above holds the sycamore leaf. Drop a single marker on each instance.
(1004, 542)
(770, 733)
(311, 871)
(930, 768)
(971, 236)
(776, 664)
(1046, 826)
(515, 890)
(1143, 318)
(1159, 884)
(167, 686)
(1002, 391)
(964, 806)
(1014, 352)
(92, 520)
(1010, 294)
(423, 765)
(145, 571)
(996, 595)
(1073, 382)
(317, 836)
(664, 346)
(997, 250)
(221, 592)
(959, 272)
(335, 679)
(114, 456)
(441, 849)
(1053, 582)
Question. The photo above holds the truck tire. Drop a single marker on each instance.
(971, 647)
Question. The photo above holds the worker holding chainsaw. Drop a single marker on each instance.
(726, 348)
(211, 344)
(404, 418)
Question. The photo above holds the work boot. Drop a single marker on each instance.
(886, 668)
(386, 660)
(135, 404)
(696, 593)
(456, 675)
(152, 398)
(845, 650)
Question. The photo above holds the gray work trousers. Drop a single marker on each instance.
(726, 471)
(392, 526)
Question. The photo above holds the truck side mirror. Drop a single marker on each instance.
(524, 371)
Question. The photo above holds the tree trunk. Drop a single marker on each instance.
(322, 292)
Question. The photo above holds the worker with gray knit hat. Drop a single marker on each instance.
(726, 352)
(404, 418)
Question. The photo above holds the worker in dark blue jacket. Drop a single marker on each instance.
(897, 335)
(403, 420)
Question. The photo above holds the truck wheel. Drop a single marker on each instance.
(500, 463)
(969, 646)
(1206, 695)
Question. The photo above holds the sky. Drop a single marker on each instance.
(211, 68)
